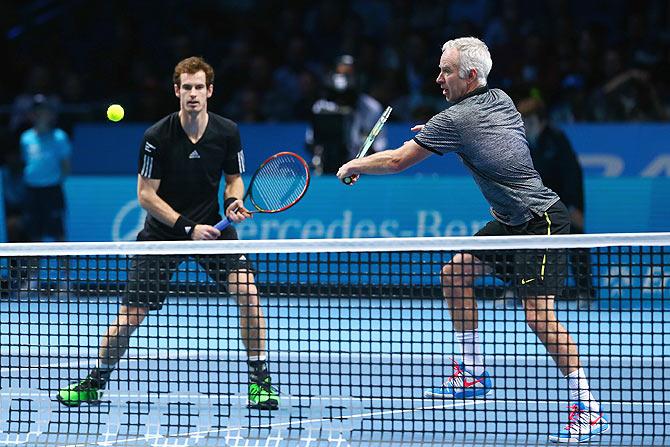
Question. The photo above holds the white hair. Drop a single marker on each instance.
(473, 53)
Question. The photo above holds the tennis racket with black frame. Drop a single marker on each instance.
(367, 144)
(278, 184)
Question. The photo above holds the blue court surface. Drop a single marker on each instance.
(350, 371)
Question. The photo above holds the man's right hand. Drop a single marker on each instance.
(203, 232)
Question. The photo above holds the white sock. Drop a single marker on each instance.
(472, 351)
(578, 385)
(256, 358)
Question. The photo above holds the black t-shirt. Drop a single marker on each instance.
(190, 173)
(557, 163)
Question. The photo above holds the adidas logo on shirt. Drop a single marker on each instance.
(194, 154)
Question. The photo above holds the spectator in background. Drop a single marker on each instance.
(629, 96)
(13, 187)
(341, 120)
(571, 105)
(256, 100)
(45, 151)
(556, 162)
(416, 74)
(38, 82)
(291, 79)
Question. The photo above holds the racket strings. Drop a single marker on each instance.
(280, 182)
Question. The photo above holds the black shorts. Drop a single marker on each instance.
(149, 276)
(45, 211)
(534, 272)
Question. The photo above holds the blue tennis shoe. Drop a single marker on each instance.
(583, 424)
(463, 384)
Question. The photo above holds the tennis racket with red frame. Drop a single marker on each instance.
(278, 184)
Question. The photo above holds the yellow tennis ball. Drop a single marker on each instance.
(115, 112)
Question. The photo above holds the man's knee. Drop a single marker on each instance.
(243, 286)
(459, 272)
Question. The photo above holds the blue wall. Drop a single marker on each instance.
(104, 208)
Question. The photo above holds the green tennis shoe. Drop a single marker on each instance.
(86, 391)
(263, 396)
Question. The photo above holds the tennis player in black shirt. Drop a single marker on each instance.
(182, 160)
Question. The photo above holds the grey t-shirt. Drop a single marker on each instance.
(486, 131)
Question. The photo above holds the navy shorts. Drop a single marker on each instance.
(149, 276)
(45, 213)
(534, 272)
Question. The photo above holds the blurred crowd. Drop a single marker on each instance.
(599, 60)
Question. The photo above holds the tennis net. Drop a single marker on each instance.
(345, 337)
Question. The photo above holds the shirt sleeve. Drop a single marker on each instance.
(23, 142)
(149, 165)
(65, 145)
(234, 163)
(439, 135)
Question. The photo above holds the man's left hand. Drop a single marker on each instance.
(203, 232)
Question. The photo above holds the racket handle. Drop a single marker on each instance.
(225, 223)
(350, 180)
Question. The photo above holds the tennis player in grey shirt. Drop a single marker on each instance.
(484, 129)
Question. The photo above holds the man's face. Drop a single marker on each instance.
(193, 92)
(43, 118)
(453, 87)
